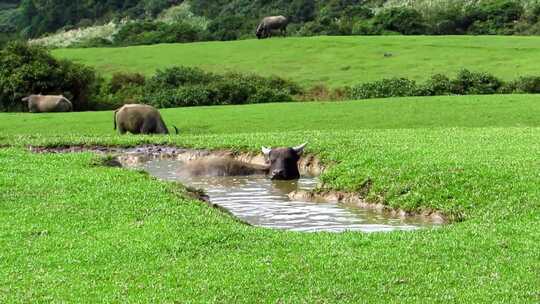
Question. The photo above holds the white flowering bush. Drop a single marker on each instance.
(76, 36)
(428, 5)
(183, 13)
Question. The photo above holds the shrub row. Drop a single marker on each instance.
(26, 70)
(465, 83)
(187, 86)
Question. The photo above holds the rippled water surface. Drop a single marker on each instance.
(263, 202)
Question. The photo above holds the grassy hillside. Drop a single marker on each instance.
(335, 61)
(79, 231)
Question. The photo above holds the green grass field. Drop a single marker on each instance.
(395, 113)
(335, 61)
(72, 231)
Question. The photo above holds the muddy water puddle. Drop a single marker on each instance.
(262, 202)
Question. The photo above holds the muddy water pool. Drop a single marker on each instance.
(262, 202)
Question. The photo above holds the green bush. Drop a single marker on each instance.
(451, 19)
(187, 86)
(365, 27)
(106, 100)
(393, 87)
(179, 76)
(263, 95)
(121, 81)
(230, 27)
(26, 70)
(467, 82)
(195, 95)
(147, 32)
(231, 91)
(404, 20)
(525, 84)
(438, 84)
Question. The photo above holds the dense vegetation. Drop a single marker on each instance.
(30, 70)
(229, 20)
(26, 70)
(185, 86)
(117, 235)
(465, 83)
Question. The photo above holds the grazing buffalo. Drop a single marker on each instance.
(283, 161)
(48, 103)
(269, 24)
(139, 119)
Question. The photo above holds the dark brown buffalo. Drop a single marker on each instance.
(139, 119)
(220, 166)
(270, 24)
(283, 162)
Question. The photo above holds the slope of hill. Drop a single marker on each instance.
(335, 61)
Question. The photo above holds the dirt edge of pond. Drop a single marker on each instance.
(356, 200)
(308, 165)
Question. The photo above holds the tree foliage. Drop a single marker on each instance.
(237, 19)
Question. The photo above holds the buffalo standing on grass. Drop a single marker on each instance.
(139, 119)
(48, 103)
(272, 23)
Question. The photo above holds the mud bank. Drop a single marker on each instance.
(355, 200)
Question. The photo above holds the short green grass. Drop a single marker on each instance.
(334, 61)
(72, 231)
(409, 112)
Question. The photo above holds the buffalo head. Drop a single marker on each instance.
(283, 161)
(260, 32)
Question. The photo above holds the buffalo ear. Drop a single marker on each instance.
(266, 151)
(300, 149)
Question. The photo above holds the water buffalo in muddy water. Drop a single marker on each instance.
(272, 23)
(281, 164)
(139, 119)
(220, 166)
(48, 103)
